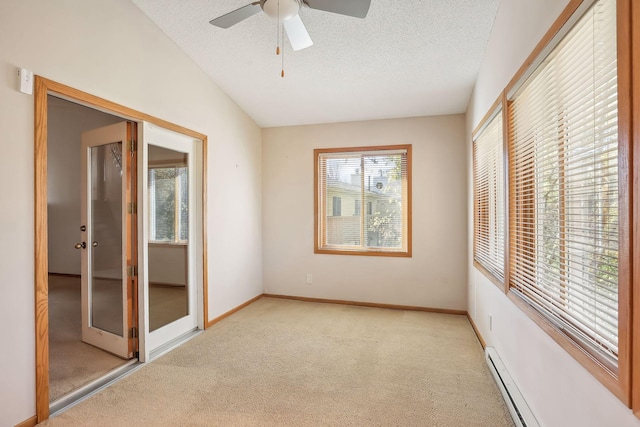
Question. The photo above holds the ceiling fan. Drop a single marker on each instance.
(286, 11)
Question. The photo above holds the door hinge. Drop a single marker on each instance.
(133, 332)
(132, 146)
(132, 208)
(132, 271)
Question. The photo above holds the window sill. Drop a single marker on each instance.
(152, 244)
(486, 273)
(617, 384)
(396, 254)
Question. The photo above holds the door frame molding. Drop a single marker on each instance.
(43, 88)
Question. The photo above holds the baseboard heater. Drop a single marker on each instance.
(520, 412)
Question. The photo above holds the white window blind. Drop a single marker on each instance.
(488, 173)
(375, 177)
(169, 204)
(564, 173)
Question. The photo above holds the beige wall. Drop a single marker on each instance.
(436, 274)
(168, 264)
(110, 49)
(558, 389)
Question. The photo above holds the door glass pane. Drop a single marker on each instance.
(105, 246)
(168, 211)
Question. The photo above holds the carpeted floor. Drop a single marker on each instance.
(72, 363)
(292, 363)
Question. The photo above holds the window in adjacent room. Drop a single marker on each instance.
(488, 198)
(168, 204)
(376, 177)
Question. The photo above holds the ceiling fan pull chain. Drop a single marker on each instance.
(278, 31)
(282, 73)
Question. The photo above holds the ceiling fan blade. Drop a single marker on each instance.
(355, 8)
(233, 17)
(297, 33)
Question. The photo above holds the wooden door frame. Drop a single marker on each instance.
(43, 88)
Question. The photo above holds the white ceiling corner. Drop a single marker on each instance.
(405, 59)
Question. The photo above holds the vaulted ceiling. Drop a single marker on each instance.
(406, 58)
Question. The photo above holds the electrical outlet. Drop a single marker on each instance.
(309, 278)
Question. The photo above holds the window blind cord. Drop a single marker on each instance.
(594, 155)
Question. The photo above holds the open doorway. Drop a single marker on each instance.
(137, 313)
(73, 362)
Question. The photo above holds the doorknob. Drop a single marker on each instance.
(94, 244)
(80, 245)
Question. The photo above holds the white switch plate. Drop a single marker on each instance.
(26, 81)
(309, 278)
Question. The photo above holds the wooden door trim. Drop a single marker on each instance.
(43, 88)
(41, 262)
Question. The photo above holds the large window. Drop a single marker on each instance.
(168, 204)
(564, 177)
(376, 177)
(488, 197)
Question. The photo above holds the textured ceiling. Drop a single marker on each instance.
(406, 58)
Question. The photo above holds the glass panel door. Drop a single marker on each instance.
(107, 239)
(168, 210)
(171, 259)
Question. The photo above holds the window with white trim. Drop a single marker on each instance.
(349, 178)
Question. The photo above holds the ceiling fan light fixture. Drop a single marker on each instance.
(287, 8)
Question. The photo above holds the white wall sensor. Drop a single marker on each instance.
(26, 81)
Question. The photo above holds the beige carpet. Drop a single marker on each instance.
(72, 363)
(292, 363)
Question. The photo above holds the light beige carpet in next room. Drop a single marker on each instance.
(72, 363)
(292, 363)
